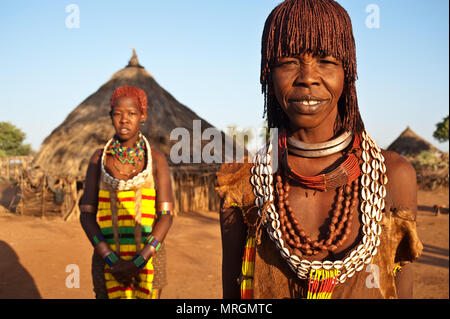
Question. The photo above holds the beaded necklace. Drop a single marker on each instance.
(136, 181)
(293, 233)
(130, 155)
(324, 275)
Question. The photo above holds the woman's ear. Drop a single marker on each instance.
(143, 117)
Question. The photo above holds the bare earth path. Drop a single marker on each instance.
(38, 257)
(35, 255)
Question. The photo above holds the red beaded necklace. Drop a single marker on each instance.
(338, 231)
(343, 179)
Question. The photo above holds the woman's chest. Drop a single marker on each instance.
(319, 225)
(123, 171)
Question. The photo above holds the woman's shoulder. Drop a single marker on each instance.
(234, 184)
(160, 166)
(94, 169)
(158, 156)
(398, 167)
(96, 156)
(402, 183)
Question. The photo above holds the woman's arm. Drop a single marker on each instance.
(403, 196)
(88, 206)
(164, 202)
(233, 231)
(404, 281)
(122, 270)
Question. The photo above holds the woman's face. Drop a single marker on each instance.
(126, 117)
(308, 88)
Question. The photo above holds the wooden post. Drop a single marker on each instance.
(75, 209)
(22, 195)
(79, 193)
(16, 169)
(62, 210)
(44, 179)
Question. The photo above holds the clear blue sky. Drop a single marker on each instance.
(206, 53)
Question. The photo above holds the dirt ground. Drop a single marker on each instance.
(41, 258)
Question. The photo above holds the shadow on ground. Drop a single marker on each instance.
(15, 281)
(428, 256)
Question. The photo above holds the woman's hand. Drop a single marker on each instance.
(126, 272)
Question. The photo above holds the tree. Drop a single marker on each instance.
(441, 133)
(11, 141)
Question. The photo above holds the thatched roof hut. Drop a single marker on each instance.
(67, 150)
(65, 153)
(409, 144)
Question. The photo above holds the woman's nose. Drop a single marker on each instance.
(307, 75)
(123, 119)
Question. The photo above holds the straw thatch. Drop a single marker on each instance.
(67, 150)
(409, 144)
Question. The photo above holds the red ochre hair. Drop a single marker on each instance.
(319, 27)
(137, 94)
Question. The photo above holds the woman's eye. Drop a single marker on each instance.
(328, 62)
(287, 62)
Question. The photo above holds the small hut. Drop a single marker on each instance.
(64, 155)
(430, 163)
(409, 144)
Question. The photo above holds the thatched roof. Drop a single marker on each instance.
(410, 144)
(67, 150)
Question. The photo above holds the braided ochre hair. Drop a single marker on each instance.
(320, 27)
(138, 95)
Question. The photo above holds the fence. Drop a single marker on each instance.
(40, 194)
(11, 167)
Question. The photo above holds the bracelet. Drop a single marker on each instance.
(396, 270)
(88, 209)
(163, 212)
(152, 241)
(139, 261)
(111, 259)
(164, 206)
(96, 239)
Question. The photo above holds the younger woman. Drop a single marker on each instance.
(126, 206)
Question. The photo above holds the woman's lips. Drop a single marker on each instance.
(307, 105)
(124, 131)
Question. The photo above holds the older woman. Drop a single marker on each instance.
(336, 218)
